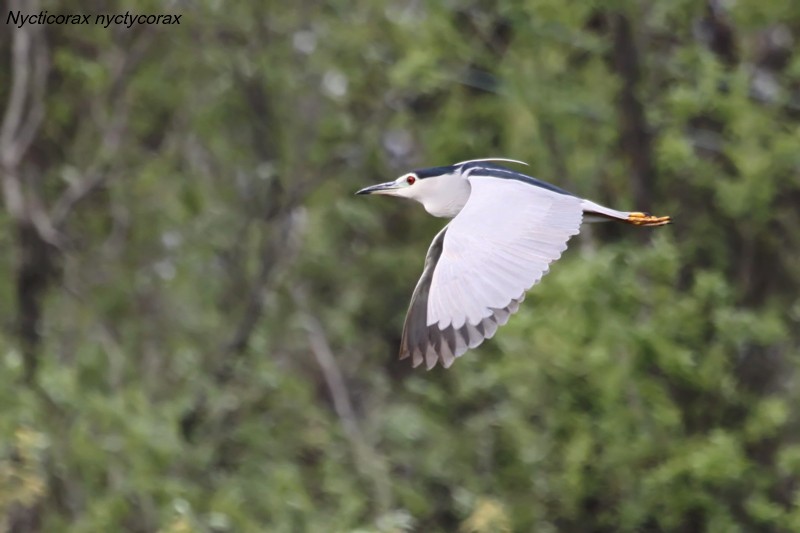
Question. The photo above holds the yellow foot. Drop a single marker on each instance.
(643, 219)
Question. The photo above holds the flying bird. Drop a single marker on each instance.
(507, 228)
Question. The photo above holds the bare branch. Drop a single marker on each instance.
(12, 193)
(112, 133)
(364, 455)
(41, 65)
(23, 116)
(278, 250)
(15, 108)
(333, 379)
(9, 156)
(98, 173)
(34, 234)
(25, 106)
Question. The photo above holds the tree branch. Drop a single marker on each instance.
(364, 455)
(278, 249)
(34, 234)
(112, 133)
(15, 108)
(98, 173)
(23, 113)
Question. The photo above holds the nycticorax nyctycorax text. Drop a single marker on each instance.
(507, 228)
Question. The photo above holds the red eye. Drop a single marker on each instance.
(410, 180)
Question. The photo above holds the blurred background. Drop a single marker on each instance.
(199, 322)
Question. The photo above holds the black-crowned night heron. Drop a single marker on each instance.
(506, 230)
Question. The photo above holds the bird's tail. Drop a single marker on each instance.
(597, 213)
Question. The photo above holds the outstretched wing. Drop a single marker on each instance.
(479, 267)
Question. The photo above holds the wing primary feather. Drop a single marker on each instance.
(446, 351)
(430, 356)
(501, 316)
(475, 337)
(416, 334)
(489, 327)
(449, 335)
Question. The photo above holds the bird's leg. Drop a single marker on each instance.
(644, 219)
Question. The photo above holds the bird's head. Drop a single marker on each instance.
(443, 191)
(402, 186)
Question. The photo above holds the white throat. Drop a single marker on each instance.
(442, 196)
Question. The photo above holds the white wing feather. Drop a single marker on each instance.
(499, 245)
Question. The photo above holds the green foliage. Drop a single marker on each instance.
(184, 380)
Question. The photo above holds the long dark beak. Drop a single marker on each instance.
(381, 188)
